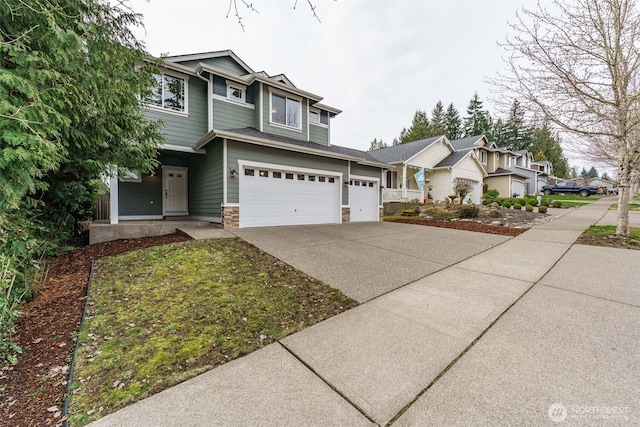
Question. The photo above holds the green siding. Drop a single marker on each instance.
(141, 198)
(363, 170)
(319, 134)
(227, 115)
(205, 181)
(186, 130)
(256, 153)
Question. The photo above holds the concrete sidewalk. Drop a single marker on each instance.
(496, 339)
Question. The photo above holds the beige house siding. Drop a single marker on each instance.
(469, 169)
(500, 183)
(440, 181)
(431, 156)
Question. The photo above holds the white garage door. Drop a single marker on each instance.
(363, 200)
(517, 188)
(279, 197)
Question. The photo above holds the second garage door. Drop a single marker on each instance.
(363, 200)
(271, 197)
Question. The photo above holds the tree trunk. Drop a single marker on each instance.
(624, 173)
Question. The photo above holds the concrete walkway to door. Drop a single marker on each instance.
(524, 332)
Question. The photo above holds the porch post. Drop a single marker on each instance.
(422, 189)
(404, 181)
(113, 195)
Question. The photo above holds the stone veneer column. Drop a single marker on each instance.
(346, 215)
(381, 214)
(230, 217)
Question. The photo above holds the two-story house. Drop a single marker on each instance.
(246, 149)
(537, 173)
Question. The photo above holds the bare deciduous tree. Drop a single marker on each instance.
(462, 187)
(580, 66)
(233, 7)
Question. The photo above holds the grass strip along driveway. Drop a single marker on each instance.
(161, 315)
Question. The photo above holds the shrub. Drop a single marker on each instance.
(545, 202)
(445, 215)
(556, 204)
(521, 202)
(486, 202)
(529, 208)
(517, 206)
(506, 203)
(10, 298)
(493, 193)
(533, 201)
(468, 212)
(542, 209)
(495, 213)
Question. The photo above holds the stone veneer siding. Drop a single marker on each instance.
(346, 215)
(230, 216)
(381, 214)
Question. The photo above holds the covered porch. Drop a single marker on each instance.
(400, 185)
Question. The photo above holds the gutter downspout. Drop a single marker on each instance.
(209, 98)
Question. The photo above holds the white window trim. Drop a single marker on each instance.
(285, 95)
(483, 154)
(508, 161)
(184, 113)
(243, 91)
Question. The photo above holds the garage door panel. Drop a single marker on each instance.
(363, 200)
(287, 198)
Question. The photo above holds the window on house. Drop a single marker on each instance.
(285, 111)
(236, 92)
(289, 176)
(314, 116)
(508, 161)
(321, 179)
(132, 175)
(312, 178)
(332, 180)
(277, 175)
(300, 177)
(264, 174)
(248, 172)
(483, 157)
(168, 93)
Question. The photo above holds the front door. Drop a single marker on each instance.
(174, 189)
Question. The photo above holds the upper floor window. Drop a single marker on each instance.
(508, 161)
(483, 157)
(236, 92)
(286, 111)
(168, 93)
(314, 116)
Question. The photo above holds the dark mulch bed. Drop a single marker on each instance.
(463, 225)
(32, 391)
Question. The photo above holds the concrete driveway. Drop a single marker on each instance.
(366, 260)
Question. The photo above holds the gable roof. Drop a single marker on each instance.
(402, 152)
(469, 142)
(208, 55)
(452, 159)
(252, 135)
(283, 79)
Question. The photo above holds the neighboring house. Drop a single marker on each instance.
(246, 149)
(441, 165)
(499, 164)
(598, 182)
(537, 173)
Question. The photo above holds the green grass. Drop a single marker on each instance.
(604, 235)
(572, 203)
(632, 207)
(164, 314)
(575, 197)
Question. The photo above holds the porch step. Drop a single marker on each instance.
(178, 218)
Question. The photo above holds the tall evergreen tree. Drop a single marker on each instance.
(377, 144)
(516, 133)
(438, 123)
(420, 129)
(545, 141)
(453, 123)
(477, 120)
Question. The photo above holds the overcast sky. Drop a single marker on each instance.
(378, 61)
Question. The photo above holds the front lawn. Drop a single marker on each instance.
(161, 315)
(575, 197)
(605, 235)
(632, 207)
